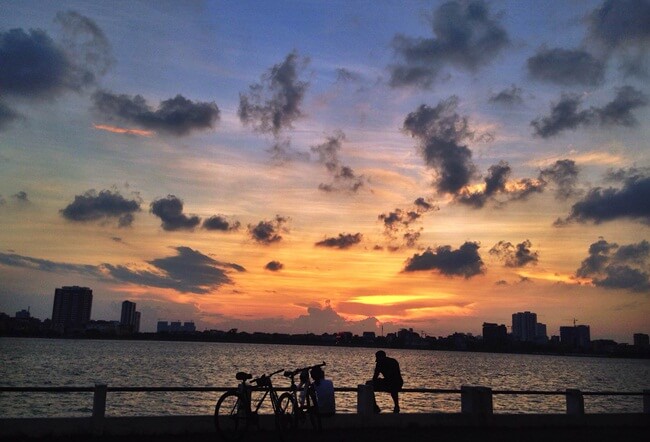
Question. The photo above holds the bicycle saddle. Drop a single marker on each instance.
(243, 376)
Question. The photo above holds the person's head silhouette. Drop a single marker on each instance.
(317, 374)
(381, 354)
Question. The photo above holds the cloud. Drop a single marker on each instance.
(274, 266)
(187, 271)
(618, 267)
(567, 67)
(343, 176)
(465, 261)
(398, 223)
(620, 27)
(509, 97)
(565, 113)
(515, 256)
(274, 104)
(466, 37)
(564, 174)
(170, 211)
(176, 116)
(21, 197)
(324, 319)
(218, 222)
(103, 206)
(600, 205)
(343, 241)
(440, 131)
(7, 115)
(269, 232)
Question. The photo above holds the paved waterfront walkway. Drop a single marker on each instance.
(457, 434)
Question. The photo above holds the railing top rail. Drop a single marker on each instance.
(80, 389)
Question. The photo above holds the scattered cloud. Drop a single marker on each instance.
(465, 37)
(618, 267)
(567, 67)
(103, 206)
(170, 211)
(274, 266)
(398, 224)
(464, 261)
(343, 241)
(268, 232)
(343, 176)
(515, 256)
(509, 97)
(601, 205)
(7, 115)
(21, 197)
(564, 174)
(176, 116)
(565, 114)
(440, 132)
(124, 131)
(219, 222)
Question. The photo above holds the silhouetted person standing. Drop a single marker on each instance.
(391, 381)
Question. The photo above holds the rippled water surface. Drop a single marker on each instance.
(51, 362)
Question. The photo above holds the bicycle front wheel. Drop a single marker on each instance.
(285, 416)
(231, 416)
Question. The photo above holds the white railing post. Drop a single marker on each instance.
(646, 401)
(99, 408)
(365, 399)
(575, 402)
(476, 400)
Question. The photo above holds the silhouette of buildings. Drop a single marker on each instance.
(175, 327)
(130, 318)
(641, 340)
(71, 309)
(576, 337)
(525, 328)
(494, 335)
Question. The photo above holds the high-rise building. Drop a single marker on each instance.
(494, 333)
(524, 326)
(576, 336)
(641, 339)
(72, 306)
(127, 319)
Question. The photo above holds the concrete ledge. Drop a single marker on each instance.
(187, 425)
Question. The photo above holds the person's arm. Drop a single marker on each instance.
(376, 374)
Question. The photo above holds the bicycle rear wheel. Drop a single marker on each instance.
(286, 417)
(231, 416)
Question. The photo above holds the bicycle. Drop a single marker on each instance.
(234, 412)
(307, 408)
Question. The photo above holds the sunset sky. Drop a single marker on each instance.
(320, 166)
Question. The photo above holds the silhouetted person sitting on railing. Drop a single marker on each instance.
(391, 381)
(324, 392)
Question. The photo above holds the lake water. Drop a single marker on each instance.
(53, 362)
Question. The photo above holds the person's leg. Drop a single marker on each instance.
(395, 396)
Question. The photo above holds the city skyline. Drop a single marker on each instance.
(324, 166)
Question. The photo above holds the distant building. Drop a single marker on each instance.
(23, 314)
(369, 336)
(524, 326)
(540, 333)
(72, 306)
(130, 318)
(494, 334)
(577, 336)
(175, 327)
(641, 340)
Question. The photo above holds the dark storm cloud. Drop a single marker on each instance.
(515, 256)
(465, 261)
(440, 132)
(343, 241)
(21, 197)
(510, 96)
(466, 37)
(343, 176)
(274, 266)
(621, 27)
(103, 206)
(600, 205)
(564, 174)
(623, 174)
(398, 223)
(567, 67)
(274, 104)
(188, 271)
(176, 116)
(170, 211)
(618, 267)
(268, 232)
(566, 114)
(218, 222)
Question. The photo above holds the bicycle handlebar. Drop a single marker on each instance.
(300, 370)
